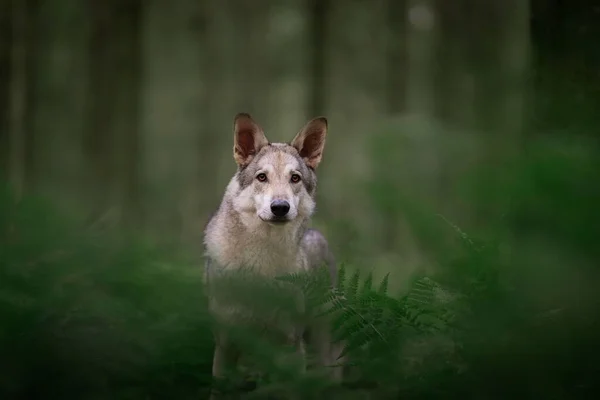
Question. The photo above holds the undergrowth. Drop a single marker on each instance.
(88, 315)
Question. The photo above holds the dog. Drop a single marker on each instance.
(262, 223)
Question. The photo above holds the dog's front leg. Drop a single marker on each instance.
(299, 329)
(294, 329)
(327, 351)
(299, 345)
(294, 357)
(225, 359)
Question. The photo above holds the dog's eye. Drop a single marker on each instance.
(261, 177)
(295, 178)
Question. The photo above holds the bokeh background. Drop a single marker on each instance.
(123, 108)
(479, 115)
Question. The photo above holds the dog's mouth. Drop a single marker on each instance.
(276, 220)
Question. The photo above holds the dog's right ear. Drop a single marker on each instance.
(248, 139)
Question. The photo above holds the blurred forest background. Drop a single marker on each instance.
(121, 112)
(122, 109)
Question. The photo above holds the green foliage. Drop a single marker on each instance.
(84, 315)
(515, 314)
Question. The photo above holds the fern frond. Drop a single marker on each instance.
(383, 286)
(352, 291)
(341, 277)
(367, 284)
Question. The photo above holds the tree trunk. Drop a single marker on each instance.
(215, 43)
(454, 75)
(422, 46)
(112, 138)
(19, 138)
(501, 58)
(127, 98)
(5, 49)
(397, 56)
(181, 102)
(318, 15)
(421, 56)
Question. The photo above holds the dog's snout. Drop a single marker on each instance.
(280, 208)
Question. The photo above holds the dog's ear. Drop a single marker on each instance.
(248, 139)
(310, 141)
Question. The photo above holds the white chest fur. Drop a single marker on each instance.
(271, 251)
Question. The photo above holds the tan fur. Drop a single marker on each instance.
(245, 232)
(272, 249)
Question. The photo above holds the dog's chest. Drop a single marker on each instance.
(267, 254)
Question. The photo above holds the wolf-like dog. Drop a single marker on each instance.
(262, 223)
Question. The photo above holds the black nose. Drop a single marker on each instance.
(279, 208)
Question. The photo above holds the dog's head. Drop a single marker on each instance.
(276, 182)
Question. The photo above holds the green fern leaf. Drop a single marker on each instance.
(352, 291)
(341, 277)
(368, 284)
(383, 286)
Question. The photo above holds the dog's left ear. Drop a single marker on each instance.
(310, 141)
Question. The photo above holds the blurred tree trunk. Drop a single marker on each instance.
(514, 60)
(187, 114)
(112, 138)
(422, 18)
(251, 21)
(99, 136)
(5, 48)
(127, 100)
(217, 108)
(500, 54)
(548, 28)
(394, 227)
(55, 100)
(422, 46)
(456, 75)
(504, 42)
(455, 61)
(20, 141)
(513, 104)
(215, 124)
(318, 16)
(397, 56)
(564, 44)
(356, 87)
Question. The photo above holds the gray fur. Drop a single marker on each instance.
(241, 234)
(245, 175)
